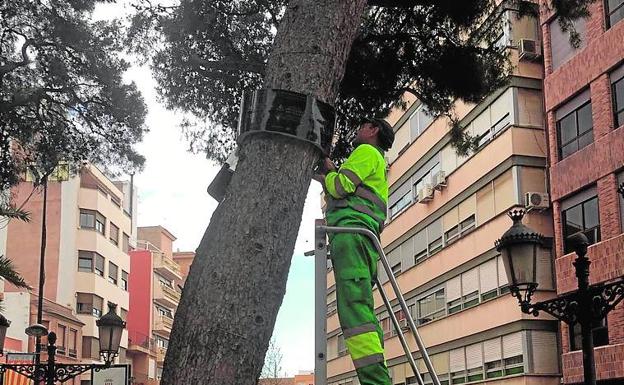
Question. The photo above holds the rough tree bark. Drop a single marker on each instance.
(238, 279)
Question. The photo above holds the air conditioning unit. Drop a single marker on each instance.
(439, 180)
(529, 49)
(403, 323)
(387, 159)
(425, 194)
(536, 201)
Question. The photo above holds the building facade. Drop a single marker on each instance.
(155, 291)
(89, 235)
(584, 102)
(445, 212)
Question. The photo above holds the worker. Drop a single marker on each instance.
(357, 196)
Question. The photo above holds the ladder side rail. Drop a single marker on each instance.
(397, 327)
(397, 290)
(320, 304)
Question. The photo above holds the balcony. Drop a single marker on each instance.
(140, 343)
(163, 325)
(167, 267)
(166, 296)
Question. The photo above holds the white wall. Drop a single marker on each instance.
(17, 310)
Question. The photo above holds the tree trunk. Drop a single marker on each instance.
(237, 282)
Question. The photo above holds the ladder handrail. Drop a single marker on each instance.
(384, 261)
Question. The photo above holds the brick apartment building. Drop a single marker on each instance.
(584, 103)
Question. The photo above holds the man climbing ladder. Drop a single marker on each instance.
(357, 195)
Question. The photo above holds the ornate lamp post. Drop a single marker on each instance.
(110, 328)
(589, 304)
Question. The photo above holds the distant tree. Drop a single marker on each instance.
(62, 96)
(272, 369)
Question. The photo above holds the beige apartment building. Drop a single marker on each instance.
(89, 234)
(445, 213)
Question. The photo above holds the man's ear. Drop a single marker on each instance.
(375, 131)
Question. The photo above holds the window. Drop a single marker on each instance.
(85, 261)
(71, 343)
(488, 280)
(574, 131)
(342, 347)
(434, 234)
(61, 336)
(113, 273)
(87, 219)
(470, 288)
(453, 295)
(513, 361)
(87, 303)
(164, 312)
(100, 223)
(419, 121)
(431, 307)
(90, 347)
(126, 243)
(457, 366)
(600, 332)
(561, 49)
(420, 246)
(396, 269)
(114, 234)
(99, 264)
(124, 280)
(615, 11)
(116, 201)
(581, 217)
(123, 313)
(402, 203)
(492, 357)
(617, 80)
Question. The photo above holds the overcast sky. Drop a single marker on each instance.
(172, 193)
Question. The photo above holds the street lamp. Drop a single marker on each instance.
(110, 328)
(519, 248)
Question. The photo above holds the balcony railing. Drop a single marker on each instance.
(138, 340)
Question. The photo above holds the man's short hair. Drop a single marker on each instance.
(386, 133)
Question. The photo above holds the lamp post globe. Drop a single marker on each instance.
(4, 325)
(110, 327)
(519, 247)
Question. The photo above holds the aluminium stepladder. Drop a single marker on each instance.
(320, 299)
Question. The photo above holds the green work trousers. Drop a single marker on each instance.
(354, 258)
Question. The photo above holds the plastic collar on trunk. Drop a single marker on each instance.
(287, 113)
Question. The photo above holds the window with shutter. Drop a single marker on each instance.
(470, 288)
(504, 196)
(434, 235)
(457, 364)
(420, 246)
(488, 280)
(512, 354)
(545, 358)
(407, 254)
(485, 204)
(493, 358)
(474, 362)
(453, 295)
(503, 283)
(113, 273)
(85, 261)
(99, 264)
(450, 222)
(615, 11)
(398, 374)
